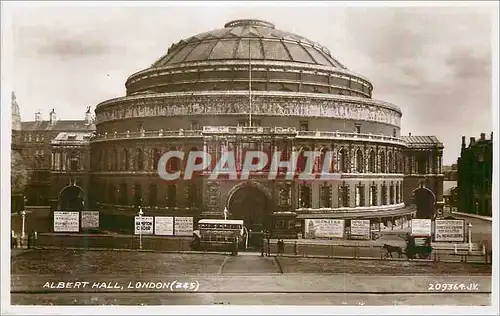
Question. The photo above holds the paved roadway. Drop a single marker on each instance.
(246, 279)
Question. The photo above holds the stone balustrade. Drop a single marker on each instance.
(240, 130)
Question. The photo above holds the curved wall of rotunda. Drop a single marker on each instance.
(200, 95)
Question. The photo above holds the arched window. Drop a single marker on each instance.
(302, 160)
(391, 194)
(391, 167)
(139, 156)
(174, 162)
(397, 166)
(74, 161)
(115, 159)
(156, 158)
(359, 161)
(125, 161)
(382, 162)
(325, 159)
(371, 161)
(422, 164)
(342, 160)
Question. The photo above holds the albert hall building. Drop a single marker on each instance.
(249, 86)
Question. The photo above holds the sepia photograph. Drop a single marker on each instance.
(249, 157)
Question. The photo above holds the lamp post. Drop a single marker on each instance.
(140, 227)
(470, 236)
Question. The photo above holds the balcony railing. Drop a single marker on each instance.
(241, 130)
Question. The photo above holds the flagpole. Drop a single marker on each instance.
(250, 84)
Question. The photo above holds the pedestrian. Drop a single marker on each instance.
(296, 248)
(13, 240)
(268, 243)
(262, 245)
(278, 243)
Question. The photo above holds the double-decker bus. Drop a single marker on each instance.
(220, 234)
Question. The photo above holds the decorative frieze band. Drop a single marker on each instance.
(210, 104)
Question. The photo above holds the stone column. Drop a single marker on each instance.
(64, 160)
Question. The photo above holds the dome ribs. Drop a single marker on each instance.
(286, 48)
(212, 50)
(226, 43)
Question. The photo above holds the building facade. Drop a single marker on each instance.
(249, 86)
(475, 173)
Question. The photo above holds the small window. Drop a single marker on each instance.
(394, 133)
(358, 128)
(304, 126)
(195, 125)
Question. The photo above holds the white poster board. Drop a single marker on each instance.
(421, 227)
(66, 221)
(164, 225)
(90, 219)
(450, 230)
(324, 228)
(360, 229)
(183, 226)
(144, 224)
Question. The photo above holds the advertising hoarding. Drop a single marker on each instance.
(324, 228)
(144, 224)
(449, 230)
(421, 227)
(360, 229)
(183, 226)
(66, 222)
(164, 225)
(90, 219)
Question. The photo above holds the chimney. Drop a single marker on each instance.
(52, 117)
(472, 141)
(88, 117)
(38, 116)
(483, 136)
(463, 143)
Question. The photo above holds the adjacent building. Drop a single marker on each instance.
(475, 172)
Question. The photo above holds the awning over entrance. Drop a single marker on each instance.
(366, 214)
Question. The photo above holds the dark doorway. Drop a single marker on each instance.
(425, 201)
(71, 198)
(249, 204)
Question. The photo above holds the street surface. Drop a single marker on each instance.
(147, 278)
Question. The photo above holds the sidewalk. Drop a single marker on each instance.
(485, 218)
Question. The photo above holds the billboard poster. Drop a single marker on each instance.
(449, 230)
(164, 225)
(65, 222)
(360, 229)
(183, 226)
(421, 227)
(144, 224)
(324, 228)
(90, 219)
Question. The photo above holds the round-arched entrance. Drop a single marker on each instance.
(71, 198)
(250, 202)
(425, 201)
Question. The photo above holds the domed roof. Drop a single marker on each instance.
(241, 38)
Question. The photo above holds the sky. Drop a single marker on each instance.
(435, 63)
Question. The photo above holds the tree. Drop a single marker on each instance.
(20, 175)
